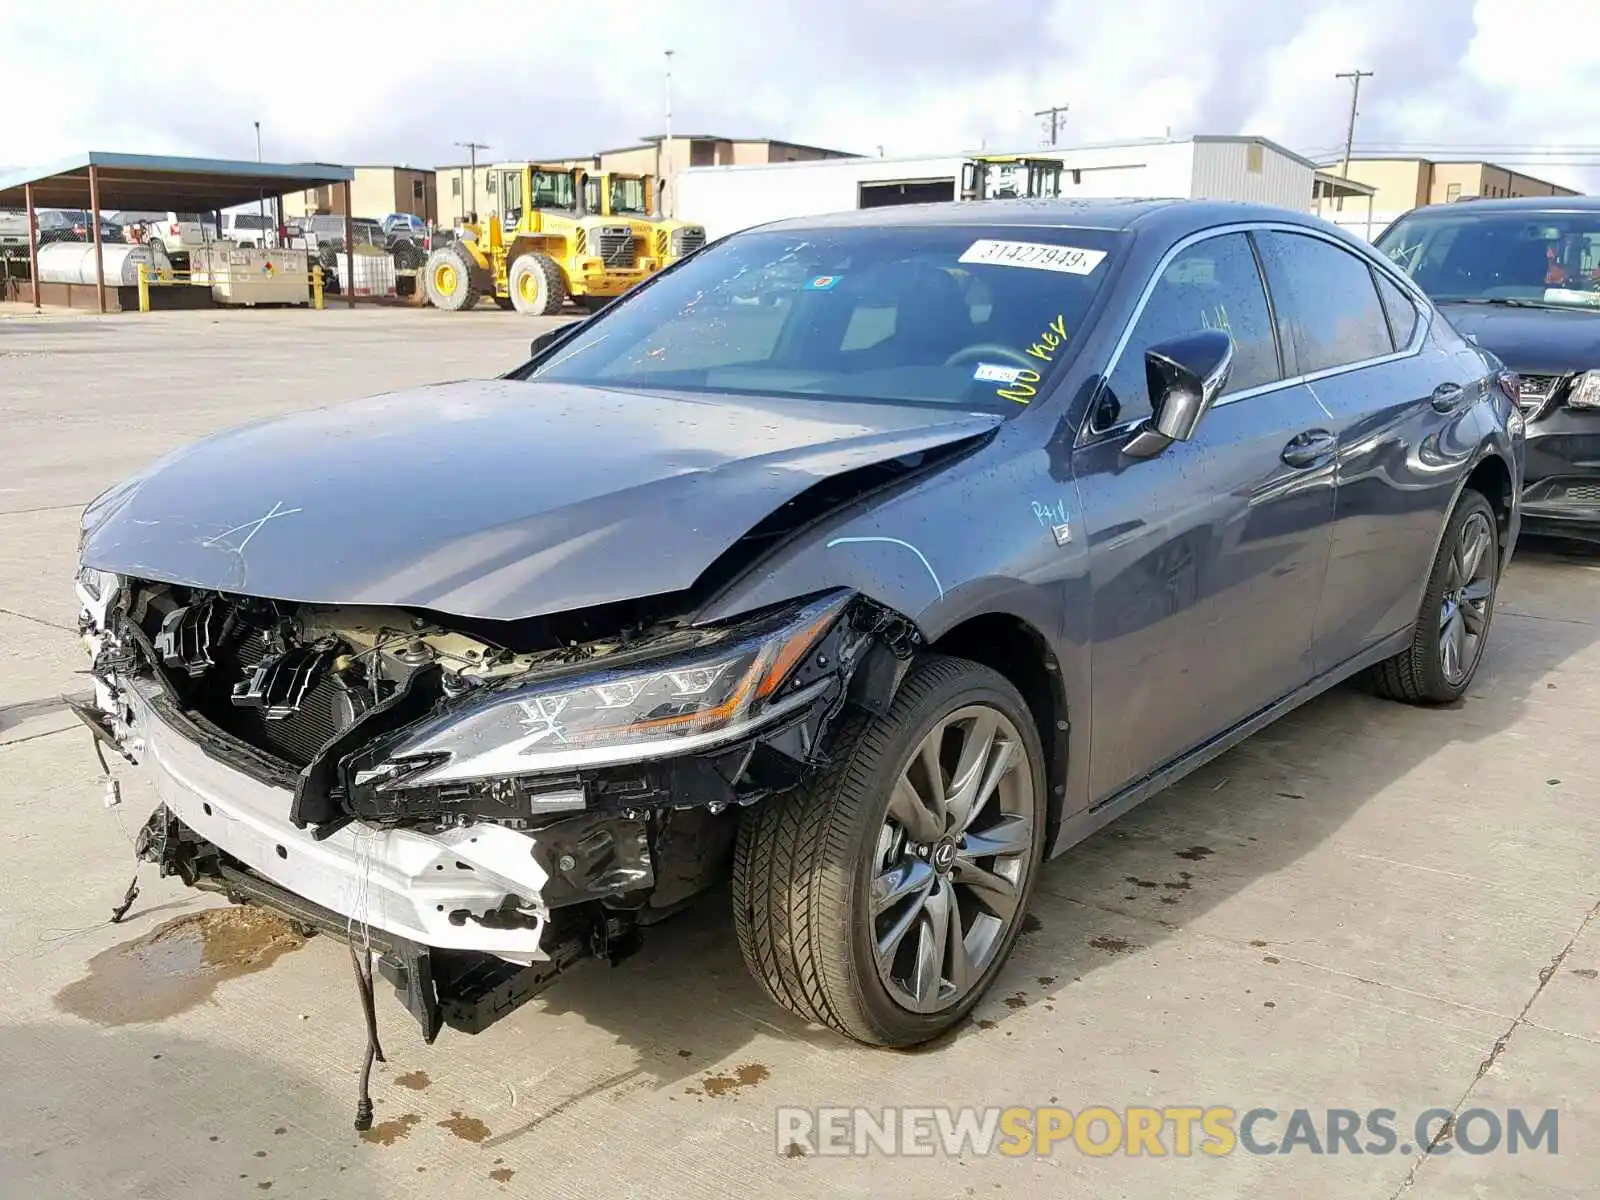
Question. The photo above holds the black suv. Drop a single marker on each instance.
(1521, 278)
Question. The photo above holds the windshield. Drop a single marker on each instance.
(251, 221)
(1515, 256)
(627, 196)
(957, 315)
(553, 189)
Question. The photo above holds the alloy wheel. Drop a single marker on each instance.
(1468, 594)
(952, 858)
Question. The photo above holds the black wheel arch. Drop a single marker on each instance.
(1016, 649)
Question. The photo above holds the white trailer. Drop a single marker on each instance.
(728, 199)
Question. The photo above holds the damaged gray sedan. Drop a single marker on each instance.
(862, 560)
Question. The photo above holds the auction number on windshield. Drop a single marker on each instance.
(1069, 260)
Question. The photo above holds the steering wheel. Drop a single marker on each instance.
(989, 350)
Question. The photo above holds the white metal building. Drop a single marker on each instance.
(727, 199)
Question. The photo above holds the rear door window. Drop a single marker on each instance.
(1327, 304)
(1213, 284)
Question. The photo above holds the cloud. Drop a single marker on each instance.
(401, 81)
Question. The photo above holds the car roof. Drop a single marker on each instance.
(1550, 204)
(1171, 216)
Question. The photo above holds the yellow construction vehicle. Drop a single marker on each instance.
(633, 197)
(1010, 177)
(540, 248)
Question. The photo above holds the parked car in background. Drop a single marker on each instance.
(984, 526)
(322, 237)
(250, 229)
(405, 224)
(72, 225)
(13, 227)
(1521, 278)
(173, 233)
(325, 231)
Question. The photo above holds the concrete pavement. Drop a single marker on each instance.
(1365, 906)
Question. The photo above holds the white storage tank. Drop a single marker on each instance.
(73, 262)
(374, 272)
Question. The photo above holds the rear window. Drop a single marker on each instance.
(964, 316)
(251, 221)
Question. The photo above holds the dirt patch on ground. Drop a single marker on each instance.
(387, 1133)
(177, 965)
(741, 1078)
(468, 1129)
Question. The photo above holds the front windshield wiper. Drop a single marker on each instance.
(1517, 302)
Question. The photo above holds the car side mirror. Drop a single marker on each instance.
(1185, 376)
(551, 336)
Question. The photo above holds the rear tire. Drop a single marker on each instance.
(841, 888)
(1448, 639)
(537, 285)
(449, 278)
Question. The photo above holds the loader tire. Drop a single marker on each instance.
(537, 285)
(449, 278)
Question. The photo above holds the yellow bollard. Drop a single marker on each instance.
(316, 287)
(144, 288)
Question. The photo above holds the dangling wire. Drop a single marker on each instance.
(361, 964)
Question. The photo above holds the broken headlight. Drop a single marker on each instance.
(730, 681)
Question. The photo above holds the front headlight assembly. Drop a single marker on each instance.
(725, 684)
(1585, 391)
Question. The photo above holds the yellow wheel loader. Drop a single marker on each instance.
(540, 249)
(633, 197)
(1010, 177)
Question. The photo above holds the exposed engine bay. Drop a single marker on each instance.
(482, 803)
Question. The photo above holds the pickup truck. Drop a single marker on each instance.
(174, 233)
(13, 228)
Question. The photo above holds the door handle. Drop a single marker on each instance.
(1446, 396)
(1309, 448)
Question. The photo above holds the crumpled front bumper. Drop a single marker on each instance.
(428, 888)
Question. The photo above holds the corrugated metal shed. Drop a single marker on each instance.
(1252, 169)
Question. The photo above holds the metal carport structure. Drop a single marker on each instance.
(97, 181)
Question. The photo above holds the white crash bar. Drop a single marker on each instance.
(394, 879)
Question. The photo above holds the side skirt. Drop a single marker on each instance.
(1075, 828)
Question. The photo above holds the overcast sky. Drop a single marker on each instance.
(396, 81)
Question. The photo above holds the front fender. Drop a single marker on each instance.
(966, 542)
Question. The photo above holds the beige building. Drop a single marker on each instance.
(651, 156)
(1400, 184)
(375, 192)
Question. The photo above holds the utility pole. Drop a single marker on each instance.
(261, 197)
(1355, 78)
(1058, 117)
(665, 168)
(472, 149)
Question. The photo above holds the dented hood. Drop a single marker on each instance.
(495, 499)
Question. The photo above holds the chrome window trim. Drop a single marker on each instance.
(1425, 313)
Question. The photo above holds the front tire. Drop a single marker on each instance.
(537, 285)
(882, 898)
(1448, 639)
(450, 279)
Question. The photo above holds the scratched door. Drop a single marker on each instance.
(1206, 562)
